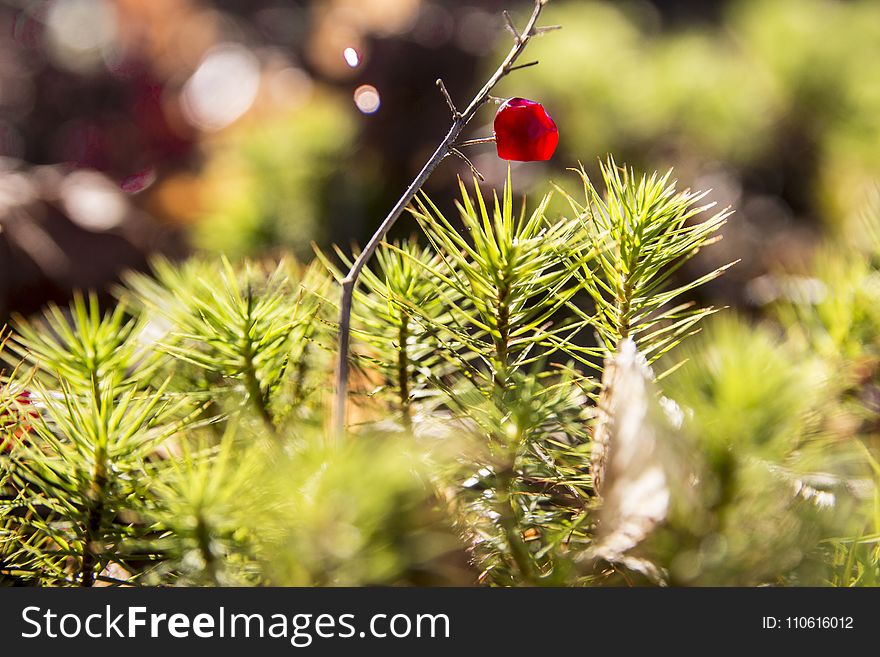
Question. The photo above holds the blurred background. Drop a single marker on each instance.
(131, 127)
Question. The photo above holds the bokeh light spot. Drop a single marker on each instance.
(223, 87)
(352, 58)
(367, 99)
(80, 34)
(92, 201)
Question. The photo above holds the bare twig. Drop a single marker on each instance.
(456, 115)
(475, 142)
(460, 120)
(511, 27)
(521, 66)
(467, 161)
(538, 31)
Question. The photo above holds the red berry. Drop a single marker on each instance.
(524, 131)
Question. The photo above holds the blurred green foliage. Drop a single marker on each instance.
(357, 514)
(270, 181)
(755, 410)
(779, 87)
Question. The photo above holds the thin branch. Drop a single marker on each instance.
(474, 142)
(467, 161)
(511, 27)
(522, 66)
(460, 120)
(456, 115)
(538, 31)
